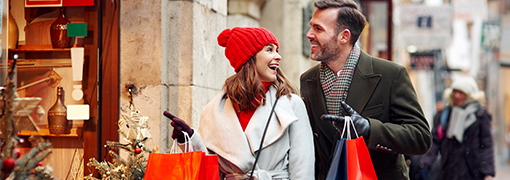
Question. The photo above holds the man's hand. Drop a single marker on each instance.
(362, 125)
(179, 126)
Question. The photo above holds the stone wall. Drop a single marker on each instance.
(285, 19)
(140, 64)
(170, 53)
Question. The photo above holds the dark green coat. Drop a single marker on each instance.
(382, 92)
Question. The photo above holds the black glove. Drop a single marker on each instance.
(179, 126)
(362, 125)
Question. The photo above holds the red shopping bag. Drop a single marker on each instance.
(351, 159)
(194, 165)
(209, 168)
(189, 165)
(359, 163)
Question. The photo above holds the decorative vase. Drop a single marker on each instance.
(13, 33)
(57, 116)
(58, 32)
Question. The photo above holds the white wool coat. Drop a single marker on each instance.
(288, 149)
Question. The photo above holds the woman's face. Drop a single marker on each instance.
(458, 97)
(267, 62)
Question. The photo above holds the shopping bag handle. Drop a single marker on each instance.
(347, 122)
(187, 144)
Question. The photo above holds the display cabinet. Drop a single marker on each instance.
(42, 68)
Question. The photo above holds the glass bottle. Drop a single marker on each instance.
(57, 116)
(13, 33)
(58, 32)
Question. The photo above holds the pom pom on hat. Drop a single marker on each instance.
(242, 43)
(223, 37)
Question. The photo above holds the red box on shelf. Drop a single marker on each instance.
(43, 3)
(58, 3)
(78, 2)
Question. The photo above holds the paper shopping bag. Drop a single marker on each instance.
(183, 166)
(359, 163)
(338, 168)
(209, 168)
(194, 165)
(188, 165)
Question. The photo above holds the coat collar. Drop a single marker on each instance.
(282, 117)
(364, 82)
(222, 133)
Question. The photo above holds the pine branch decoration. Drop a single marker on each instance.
(13, 167)
(25, 166)
(134, 130)
(120, 169)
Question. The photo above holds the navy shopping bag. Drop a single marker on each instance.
(338, 168)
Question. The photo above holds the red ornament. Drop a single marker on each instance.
(138, 151)
(39, 164)
(8, 164)
(17, 153)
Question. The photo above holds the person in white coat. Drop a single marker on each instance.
(232, 125)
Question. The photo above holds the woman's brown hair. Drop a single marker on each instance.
(244, 87)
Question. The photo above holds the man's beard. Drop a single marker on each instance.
(329, 51)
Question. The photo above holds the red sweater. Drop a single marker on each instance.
(245, 116)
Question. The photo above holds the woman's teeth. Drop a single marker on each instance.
(273, 67)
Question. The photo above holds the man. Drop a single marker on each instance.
(385, 109)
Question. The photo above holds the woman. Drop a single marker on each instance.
(462, 135)
(233, 123)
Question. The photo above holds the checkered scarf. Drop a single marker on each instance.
(336, 87)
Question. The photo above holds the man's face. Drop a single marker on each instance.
(322, 35)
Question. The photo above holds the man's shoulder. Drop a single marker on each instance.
(310, 72)
(383, 62)
(379, 63)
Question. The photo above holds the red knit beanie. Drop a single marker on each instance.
(242, 43)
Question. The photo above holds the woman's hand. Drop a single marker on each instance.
(179, 126)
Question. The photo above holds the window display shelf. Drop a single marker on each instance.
(75, 132)
(43, 63)
(39, 48)
(42, 56)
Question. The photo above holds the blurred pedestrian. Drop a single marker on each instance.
(416, 169)
(462, 135)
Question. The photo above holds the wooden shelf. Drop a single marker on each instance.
(75, 132)
(41, 48)
(42, 56)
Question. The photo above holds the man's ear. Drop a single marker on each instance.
(344, 36)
